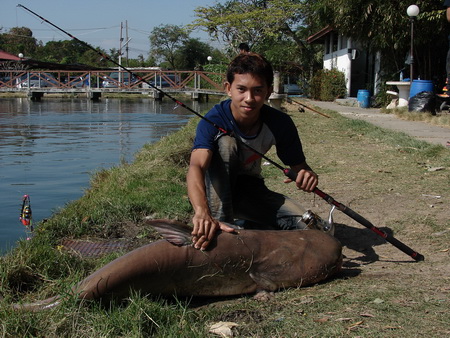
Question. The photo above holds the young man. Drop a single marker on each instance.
(224, 181)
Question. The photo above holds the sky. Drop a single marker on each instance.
(97, 22)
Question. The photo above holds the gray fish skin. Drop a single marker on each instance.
(244, 262)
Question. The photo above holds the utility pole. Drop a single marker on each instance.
(126, 46)
(120, 51)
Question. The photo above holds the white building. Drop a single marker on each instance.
(361, 69)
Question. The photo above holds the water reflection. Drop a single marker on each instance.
(48, 149)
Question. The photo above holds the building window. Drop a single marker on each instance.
(334, 38)
(343, 42)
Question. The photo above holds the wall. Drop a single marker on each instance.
(336, 56)
(360, 70)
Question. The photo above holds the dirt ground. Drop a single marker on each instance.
(391, 184)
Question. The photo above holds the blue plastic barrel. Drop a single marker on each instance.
(363, 98)
(419, 86)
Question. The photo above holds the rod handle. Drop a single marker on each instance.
(363, 221)
(290, 173)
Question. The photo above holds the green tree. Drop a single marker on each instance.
(274, 28)
(192, 54)
(114, 54)
(91, 58)
(63, 51)
(383, 26)
(19, 40)
(252, 21)
(165, 40)
(69, 52)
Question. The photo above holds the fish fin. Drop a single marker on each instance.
(174, 232)
(263, 282)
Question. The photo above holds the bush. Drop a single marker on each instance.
(328, 85)
(216, 72)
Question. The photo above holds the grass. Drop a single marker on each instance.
(380, 172)
(439, 119)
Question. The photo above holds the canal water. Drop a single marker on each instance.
(49, 149)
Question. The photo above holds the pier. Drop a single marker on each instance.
(93, 84)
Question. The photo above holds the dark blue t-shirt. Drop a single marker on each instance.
(277, 129)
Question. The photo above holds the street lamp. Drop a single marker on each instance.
(412, 12)
(209, 58)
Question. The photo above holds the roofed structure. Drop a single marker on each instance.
(36, 64)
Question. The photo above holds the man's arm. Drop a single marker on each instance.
(448, 14)
(307, 179)
(205, 226)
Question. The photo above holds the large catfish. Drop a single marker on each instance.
(244, 262)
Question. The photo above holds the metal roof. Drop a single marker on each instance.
(8, 57)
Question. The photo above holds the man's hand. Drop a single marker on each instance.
(204, 230)
(307, 180)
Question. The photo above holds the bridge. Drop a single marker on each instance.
(93, 84)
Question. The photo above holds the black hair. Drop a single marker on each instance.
(244, 47)
(250, 63)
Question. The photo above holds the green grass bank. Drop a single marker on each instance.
(390, 178)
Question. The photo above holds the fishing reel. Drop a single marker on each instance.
(314, 221)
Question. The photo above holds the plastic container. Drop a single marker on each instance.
(419, 86)
(363, 98)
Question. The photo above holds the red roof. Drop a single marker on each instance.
(318, 37)
(8, 56)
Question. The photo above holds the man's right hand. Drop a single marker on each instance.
(205, 226)
(204, 230)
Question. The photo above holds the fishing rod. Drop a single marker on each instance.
(289, 100)
(140, 79)
(352, 214)
(288, 172)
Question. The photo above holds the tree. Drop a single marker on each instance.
(69, 52)
(60, 52)
(251, 21)
(92, 58)
(114, 54)
(165, 40)
(383, 26)
(274, 28)
(192, 54)
(19, 40)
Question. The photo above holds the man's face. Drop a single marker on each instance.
(248, 94)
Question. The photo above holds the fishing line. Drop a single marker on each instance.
(288, 172)
(140, 79)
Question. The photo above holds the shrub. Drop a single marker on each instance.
(216, 72)
(328, 85)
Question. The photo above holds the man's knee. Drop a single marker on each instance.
(227, 147)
